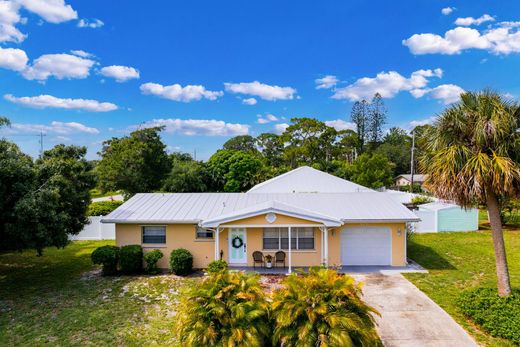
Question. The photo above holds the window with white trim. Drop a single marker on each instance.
(154, 234)
(204, 234)
(278, 238)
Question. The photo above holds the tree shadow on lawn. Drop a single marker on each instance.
(428, 258)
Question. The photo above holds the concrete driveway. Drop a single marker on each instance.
(408, 316)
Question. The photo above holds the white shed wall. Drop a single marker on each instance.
(96, 230)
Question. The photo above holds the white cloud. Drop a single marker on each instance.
(61, 128)
(82, 54)
(447, 93)
(120, 73)
(9, 17)
(447, 10)
(388, 84)
(249, 101)
(93, 24)
(280, 128)
(49, 101)
(420, 122)
(13, 59)
(261, 90)
(177, 92)
(503, 38)
(467, 21)
(340, 124)
(53, 11)
(193, 127)
(59, 66)
(326, 82)
(267, 119)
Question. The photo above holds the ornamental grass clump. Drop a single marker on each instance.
(322, 308)
(226, 309)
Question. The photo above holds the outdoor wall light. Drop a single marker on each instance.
(398, 232)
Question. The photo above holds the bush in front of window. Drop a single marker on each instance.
(151, 258)
(131, 259)
(217, 266)
(181, 262)
(108, 256)
(225, 309)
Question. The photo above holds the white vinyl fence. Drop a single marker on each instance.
(96, 230)
(428, 221)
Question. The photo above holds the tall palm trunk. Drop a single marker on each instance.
(504, 285)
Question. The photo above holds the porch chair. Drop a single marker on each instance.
(258, 257)
(279, 257)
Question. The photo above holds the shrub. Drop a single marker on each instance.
(217, 266)
(151, 258)
(322, 308)
(131, 259)
(421, 199)
(108, 256)
(102, 208)
(500, 316)
(181, 262)
(226, 309)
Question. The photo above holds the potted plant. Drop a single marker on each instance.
(269, 261)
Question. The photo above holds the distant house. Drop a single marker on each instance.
(328, 220)
(406, 180)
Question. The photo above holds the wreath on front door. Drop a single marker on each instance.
(237, 242)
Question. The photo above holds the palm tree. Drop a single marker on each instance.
(472, 157)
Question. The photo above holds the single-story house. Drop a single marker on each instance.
(329, 221)
(406, 180)
(442, 216)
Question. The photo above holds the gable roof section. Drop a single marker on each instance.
(416, 177)
(195, 208)
(272, 207)
(307, 180)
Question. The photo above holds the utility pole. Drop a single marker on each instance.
(195, 154)
(41, 143)
(412, 162)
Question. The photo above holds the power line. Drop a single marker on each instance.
(40, 140)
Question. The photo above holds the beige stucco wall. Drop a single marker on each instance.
(183, 236)
(260, 220)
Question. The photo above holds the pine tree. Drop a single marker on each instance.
(377, 119)
(360, 116)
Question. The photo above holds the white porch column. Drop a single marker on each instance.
(322, 246)
(217, 243)
(290, 253)
(326, 246)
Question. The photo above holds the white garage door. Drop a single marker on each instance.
(366, 246)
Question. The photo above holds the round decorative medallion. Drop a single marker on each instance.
(270, 218)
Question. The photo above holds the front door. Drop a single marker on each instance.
(237, 246)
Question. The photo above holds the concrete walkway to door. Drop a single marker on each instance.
(408, 316)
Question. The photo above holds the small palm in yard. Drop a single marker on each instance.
(226, 309)
(322, 308)
(472, 157)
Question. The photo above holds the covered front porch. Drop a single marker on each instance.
(303, 237)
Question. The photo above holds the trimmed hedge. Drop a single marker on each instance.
(181, 262)
(131, 259)
(151, 258)
(108, 256)
(102, 208)
(217, 266)
(499, 316)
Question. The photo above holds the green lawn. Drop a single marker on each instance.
(96, 193)
(458, 261)
(52, 300)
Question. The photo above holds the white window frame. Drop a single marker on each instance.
(152, 226)
(197, 229)
(295, 232)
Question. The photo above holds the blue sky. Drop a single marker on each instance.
(86, 71)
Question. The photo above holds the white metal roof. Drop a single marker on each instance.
(307, 180)
(272, 207)
(438, 205)
(369, 207)
(416, 177)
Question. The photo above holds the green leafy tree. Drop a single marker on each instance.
(473, 156)
(226, 309)
(360, 115)
(303, 138)
(322, 308)
(186, 177)
(234, 171)
(396, 147)
(372, 170)
(180, 157)
(377, 120)
(4, 121)
(135, 163)
(245, 143)
(271, 147)
(17, 179)
(56, 206)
